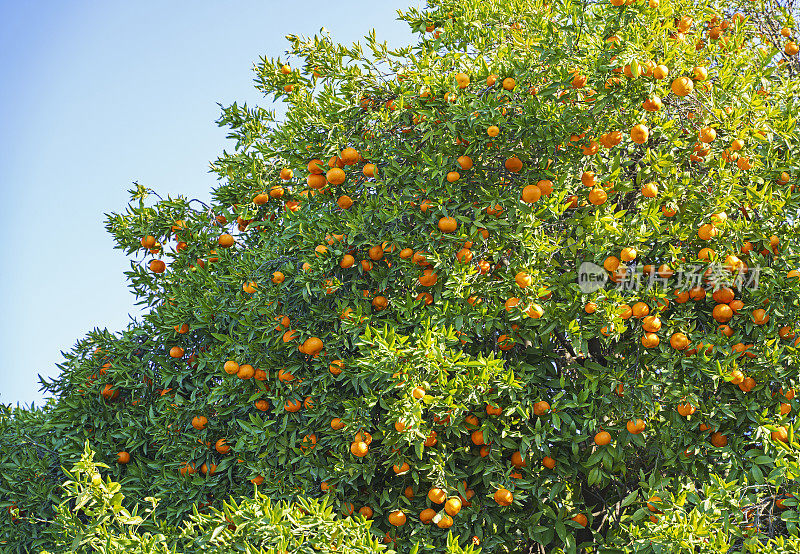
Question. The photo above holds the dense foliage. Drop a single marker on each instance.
(531, 282)
(93, 519)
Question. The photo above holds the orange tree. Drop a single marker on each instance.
(530, 282)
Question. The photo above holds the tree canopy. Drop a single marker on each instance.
(530, 284)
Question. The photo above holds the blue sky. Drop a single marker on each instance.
(96, 95)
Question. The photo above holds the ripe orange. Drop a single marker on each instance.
(503, 497)
(640, 133)
(651, 324)
(760, 316)
(531, 194)
(437, 495)
(397, 518)
(452, 506)
(123, 457)
(597, 196)
(293, 405)
(514, 164)
(541, 408)
(650, 340)
(222, 446)
(246, 371)
(781, 434)
(157, 266)
(336, 367)
(176, 352)
(580, 519)
(722, 313)
(464, 162)
(359, 449)
(445, 522)
(427, 515)
(635, 427)
(545, 186)
(335, 176)
(517, 460)
(311, 346)
(588, 179)
(602, 438)
(707, 134)
(718, 439)
(428, 278)
(682, 86)
(447, 224)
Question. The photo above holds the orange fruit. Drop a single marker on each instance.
(335, 176)
(359, 448)
(225, 240)
(437, 495)
(660, 72)
(597, 196)
(541, 408)
(222, 446)
(517, 460)
(337, 424)
(718, 439)
(445, 522)
(503, 497)
(531, 194)
(293, 406)
(682, 86)
(678, 341)
(447, 224)
(157, 266)
(397, 518)
(602, 438)
(336, 367)
(513, 164)
(781, 434)
(427, 515)
(452, 506)
(231, 367)
(199, 422)
(640, 133)
(651, 504)
(580, 519)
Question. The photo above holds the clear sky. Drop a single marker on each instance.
(95, 95)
